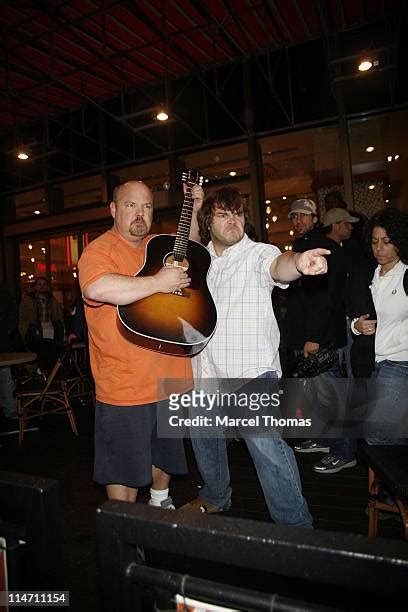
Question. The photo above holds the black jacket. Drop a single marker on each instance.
(360, 302)
(316, 304)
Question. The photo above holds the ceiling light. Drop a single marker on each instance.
(267, 225)
(22, 155)
(206, 180)
(30, 246)
(232, 173)
(162, 115)
(389, 158)
(32, 259)
(291, 233)
(274, 218)
(267, 201)
(396, 157)
(386, 201)
(37, 212)
(268, 210)
(370, 149)
(371, 186)
(286, 247)
(283, 197)
(365, 65)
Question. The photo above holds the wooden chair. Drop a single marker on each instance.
(387, 476)
(79, 378)
(41, 394)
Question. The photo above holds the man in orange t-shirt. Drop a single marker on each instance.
(130, 380)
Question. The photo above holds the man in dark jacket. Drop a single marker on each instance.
(8, 331)
(316, 319)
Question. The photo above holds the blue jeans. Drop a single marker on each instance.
(388, 412)
(7, 400)
(330, 401)
(277, 471)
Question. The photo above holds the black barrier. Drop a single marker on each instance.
(30, 531)
(148, 555)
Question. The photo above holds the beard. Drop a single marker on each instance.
(138, 229)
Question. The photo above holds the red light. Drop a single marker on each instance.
(68, 247)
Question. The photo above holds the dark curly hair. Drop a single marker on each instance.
(227, 198)
(395, 223)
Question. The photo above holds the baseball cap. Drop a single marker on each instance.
(303, 205)
(338, 215)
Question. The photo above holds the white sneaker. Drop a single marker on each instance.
(167, 504)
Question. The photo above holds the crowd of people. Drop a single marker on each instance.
(244, 346)
(345, 284)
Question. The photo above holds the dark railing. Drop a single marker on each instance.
(147, 555)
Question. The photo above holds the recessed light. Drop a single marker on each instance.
(22, 155)
(386, 201)
(396, 157)
(32, 259)
(389, 158)
(283, 197)
(365, 65)
(370, 149)
(267, 225)
(371, 186)
(268, 210)
(37, 212)
(274, 218)
(30, 246)
(232, 173)
(267, 201)
(291, 233)
(162, 115)
(206, 180)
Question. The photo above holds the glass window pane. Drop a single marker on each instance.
(82, 192)
(299, 164)
(379, 151)
(31, 203)
(32, 263)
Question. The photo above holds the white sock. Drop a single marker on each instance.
(157, 497)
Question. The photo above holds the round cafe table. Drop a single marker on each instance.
(10, 359)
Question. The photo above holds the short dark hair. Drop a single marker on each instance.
(395, 223)
(227, 198)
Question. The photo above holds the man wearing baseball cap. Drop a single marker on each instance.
(316, 318)
(340, 223)
(303, 214)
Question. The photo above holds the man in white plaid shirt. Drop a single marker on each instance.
(245, 346)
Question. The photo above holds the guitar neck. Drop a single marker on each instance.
(183, 229)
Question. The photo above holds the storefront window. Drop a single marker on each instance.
(32, 262)
(378, 152)
(300, 164)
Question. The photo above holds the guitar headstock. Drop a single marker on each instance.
(191, 177)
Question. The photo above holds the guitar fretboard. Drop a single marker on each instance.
(183, 229)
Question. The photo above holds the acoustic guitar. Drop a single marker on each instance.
(179, 323)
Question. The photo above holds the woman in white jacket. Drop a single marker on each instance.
(387, 421)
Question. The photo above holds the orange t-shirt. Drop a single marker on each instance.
(124, 373)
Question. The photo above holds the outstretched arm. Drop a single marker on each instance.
(290, 266)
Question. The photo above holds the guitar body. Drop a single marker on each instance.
(173, 323)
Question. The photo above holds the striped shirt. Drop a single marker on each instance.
(246, 341)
